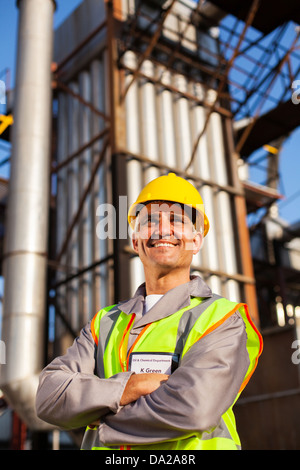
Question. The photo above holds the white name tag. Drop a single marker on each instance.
(153, 363)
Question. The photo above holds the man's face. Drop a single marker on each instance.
(165, 237)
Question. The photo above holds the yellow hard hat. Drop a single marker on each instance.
(170, 188)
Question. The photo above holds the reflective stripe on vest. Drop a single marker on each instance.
(175, 333)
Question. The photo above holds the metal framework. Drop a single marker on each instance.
(122, 33)
(247, 81)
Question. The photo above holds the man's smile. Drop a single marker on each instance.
(163, 243)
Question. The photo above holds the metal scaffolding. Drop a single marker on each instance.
(146, 87)
(143, 28)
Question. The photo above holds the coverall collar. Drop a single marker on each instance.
(174, 300)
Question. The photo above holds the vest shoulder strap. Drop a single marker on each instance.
(95, 323)
(188, 320)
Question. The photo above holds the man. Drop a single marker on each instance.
(163, 369)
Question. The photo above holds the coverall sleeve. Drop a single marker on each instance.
(70, 395)
(195, 396)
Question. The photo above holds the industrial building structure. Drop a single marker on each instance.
(141, 88)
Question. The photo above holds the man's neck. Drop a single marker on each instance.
(161, 284)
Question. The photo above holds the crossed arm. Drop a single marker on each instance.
(140, 385)
(70, 395)
(142, 408)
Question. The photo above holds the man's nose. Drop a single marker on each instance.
(165, 228)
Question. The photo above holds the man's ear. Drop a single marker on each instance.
(135, 242)
(197, 242)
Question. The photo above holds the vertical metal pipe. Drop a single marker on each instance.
(166, 116)
(73, 198)
(149, 120)
(134, 169)
(202, 166)
(100, 246)
(61, 213)
(86, 228)
(25, 262)
(133, 138)
(225, 237)
(183, 135)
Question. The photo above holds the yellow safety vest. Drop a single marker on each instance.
(111, 328)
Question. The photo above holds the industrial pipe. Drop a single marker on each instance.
(25, 255)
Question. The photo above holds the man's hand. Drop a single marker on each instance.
(137, 386)
(141, 384)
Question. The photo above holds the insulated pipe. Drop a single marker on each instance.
(209, 251)
(100, 246)
(134, 168)
(167, 121)
(149, 120)
(73, 198)
(25, 255)
(225, 234)
(86, 248)
(183, 131)
(61, 209)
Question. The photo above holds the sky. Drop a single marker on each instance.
(289, 158)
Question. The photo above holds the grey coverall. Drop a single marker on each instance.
(194, 398)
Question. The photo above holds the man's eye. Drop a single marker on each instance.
(179, 220)
(148, 221)
(153, 220)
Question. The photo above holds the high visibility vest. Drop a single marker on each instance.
(111, 328)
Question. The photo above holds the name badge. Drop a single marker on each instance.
(153, 363)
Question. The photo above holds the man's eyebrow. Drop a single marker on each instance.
(172, 215)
